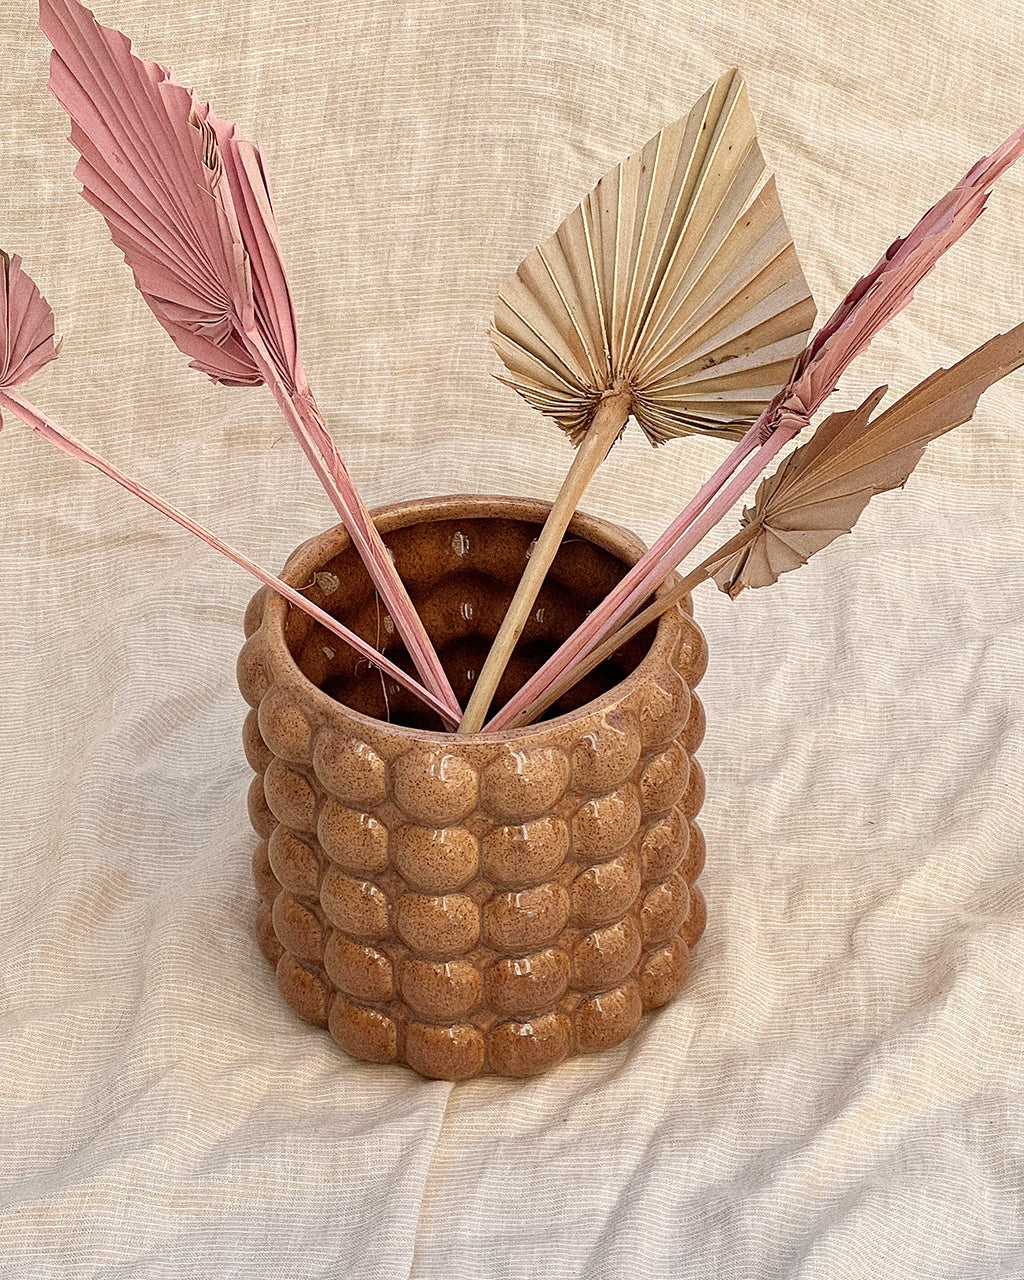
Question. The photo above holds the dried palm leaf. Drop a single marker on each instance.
(151, 166)
(187, 203)
(26, 338)
(676, 277)
(880, 295)
(821, 489)
(672, 294)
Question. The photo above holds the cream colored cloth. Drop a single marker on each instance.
(836, 1093)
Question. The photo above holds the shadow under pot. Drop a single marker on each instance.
(482, 903)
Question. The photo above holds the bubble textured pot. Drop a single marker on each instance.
(476, 903)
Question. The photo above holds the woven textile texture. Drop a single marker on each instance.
(836, 1093)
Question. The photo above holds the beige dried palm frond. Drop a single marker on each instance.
(676, 277)
(672, 294)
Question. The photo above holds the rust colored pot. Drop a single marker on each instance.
(486, 903)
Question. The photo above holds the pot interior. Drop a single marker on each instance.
(461, 575)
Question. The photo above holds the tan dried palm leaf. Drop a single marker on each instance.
(676, 276)
(821, 489)
(819, 492)
(672, 293)
(870, 305)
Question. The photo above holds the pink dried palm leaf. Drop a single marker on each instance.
(27, 340)
(883, 293)
(873, 301)
(188, 204)
(148, 166)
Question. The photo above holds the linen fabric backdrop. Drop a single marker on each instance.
(836, 1092)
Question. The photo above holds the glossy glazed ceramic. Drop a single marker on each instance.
(478, 903)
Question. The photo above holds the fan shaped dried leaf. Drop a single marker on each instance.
(273, 309)
(186, 200)
(676, 276)
(889, 286)
(151, 165)
(869, 306)
(26, 325)
(188, 204)
(821, 489)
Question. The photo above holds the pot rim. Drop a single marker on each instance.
(310, 555)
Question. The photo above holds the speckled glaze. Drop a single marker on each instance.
(478, 903)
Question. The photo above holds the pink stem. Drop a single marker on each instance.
(67, 443)
(689, 513)
(303, 417)
(678, 540)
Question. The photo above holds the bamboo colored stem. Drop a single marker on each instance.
(66, 443)
(648, 573)
(601, 620)
(303, 417)
(611, 416)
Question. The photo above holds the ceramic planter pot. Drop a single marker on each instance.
(480, 903)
